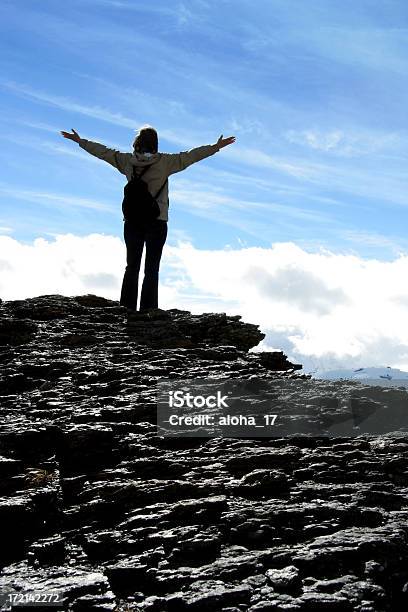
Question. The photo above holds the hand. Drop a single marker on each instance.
(75, 136)
(223, 142)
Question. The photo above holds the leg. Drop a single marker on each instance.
(134, 239)
(156, 235)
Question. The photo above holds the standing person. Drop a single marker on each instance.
(156, 168)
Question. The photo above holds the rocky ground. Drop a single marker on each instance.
(103, 513)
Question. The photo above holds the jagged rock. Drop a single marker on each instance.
(44, 308)
(208, 595)
(286, 579)
(94, 301)
(85, 445)
(48, 551)
(264, 482)
(125, 575)
(276, 360)
(179, 328)
(99, 508)
(26, 516)
(9, 467)
(16, 331)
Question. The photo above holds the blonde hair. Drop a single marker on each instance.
(146, 140)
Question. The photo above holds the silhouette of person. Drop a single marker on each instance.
(153, 234)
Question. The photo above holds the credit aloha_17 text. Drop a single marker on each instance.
(225, 420)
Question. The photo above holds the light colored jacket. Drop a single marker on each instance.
(162, 166)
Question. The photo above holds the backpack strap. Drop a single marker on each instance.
(161, 189)
(142, 173)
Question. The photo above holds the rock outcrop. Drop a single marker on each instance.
(105, 515)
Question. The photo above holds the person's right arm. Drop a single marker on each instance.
(115, 158)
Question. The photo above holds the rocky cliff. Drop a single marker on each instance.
(101, 512)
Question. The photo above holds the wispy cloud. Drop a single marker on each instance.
(145, 98)
(57, 146)
(246, 125)
(178, 13)
(64, 200)
(338, 142)
(254, 157)
(96, 112)
(372, 47)
(192, 194)
(38, 125)
(376, 240)
(361, 38)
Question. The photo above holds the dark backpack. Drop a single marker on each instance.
(138, 203)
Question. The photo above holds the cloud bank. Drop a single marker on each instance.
(324, 309)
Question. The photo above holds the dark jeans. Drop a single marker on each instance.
(154, 234)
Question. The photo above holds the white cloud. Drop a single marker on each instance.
(345, 144)
(316, 140)
(246, 125)
(67, 264)
(323, 309)
(297, 287)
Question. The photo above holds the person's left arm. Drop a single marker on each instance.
(176, 162)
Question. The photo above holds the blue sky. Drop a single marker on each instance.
(300, 226)
(315, 93)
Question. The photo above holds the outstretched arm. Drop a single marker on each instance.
(117, 159)
(179, 161)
